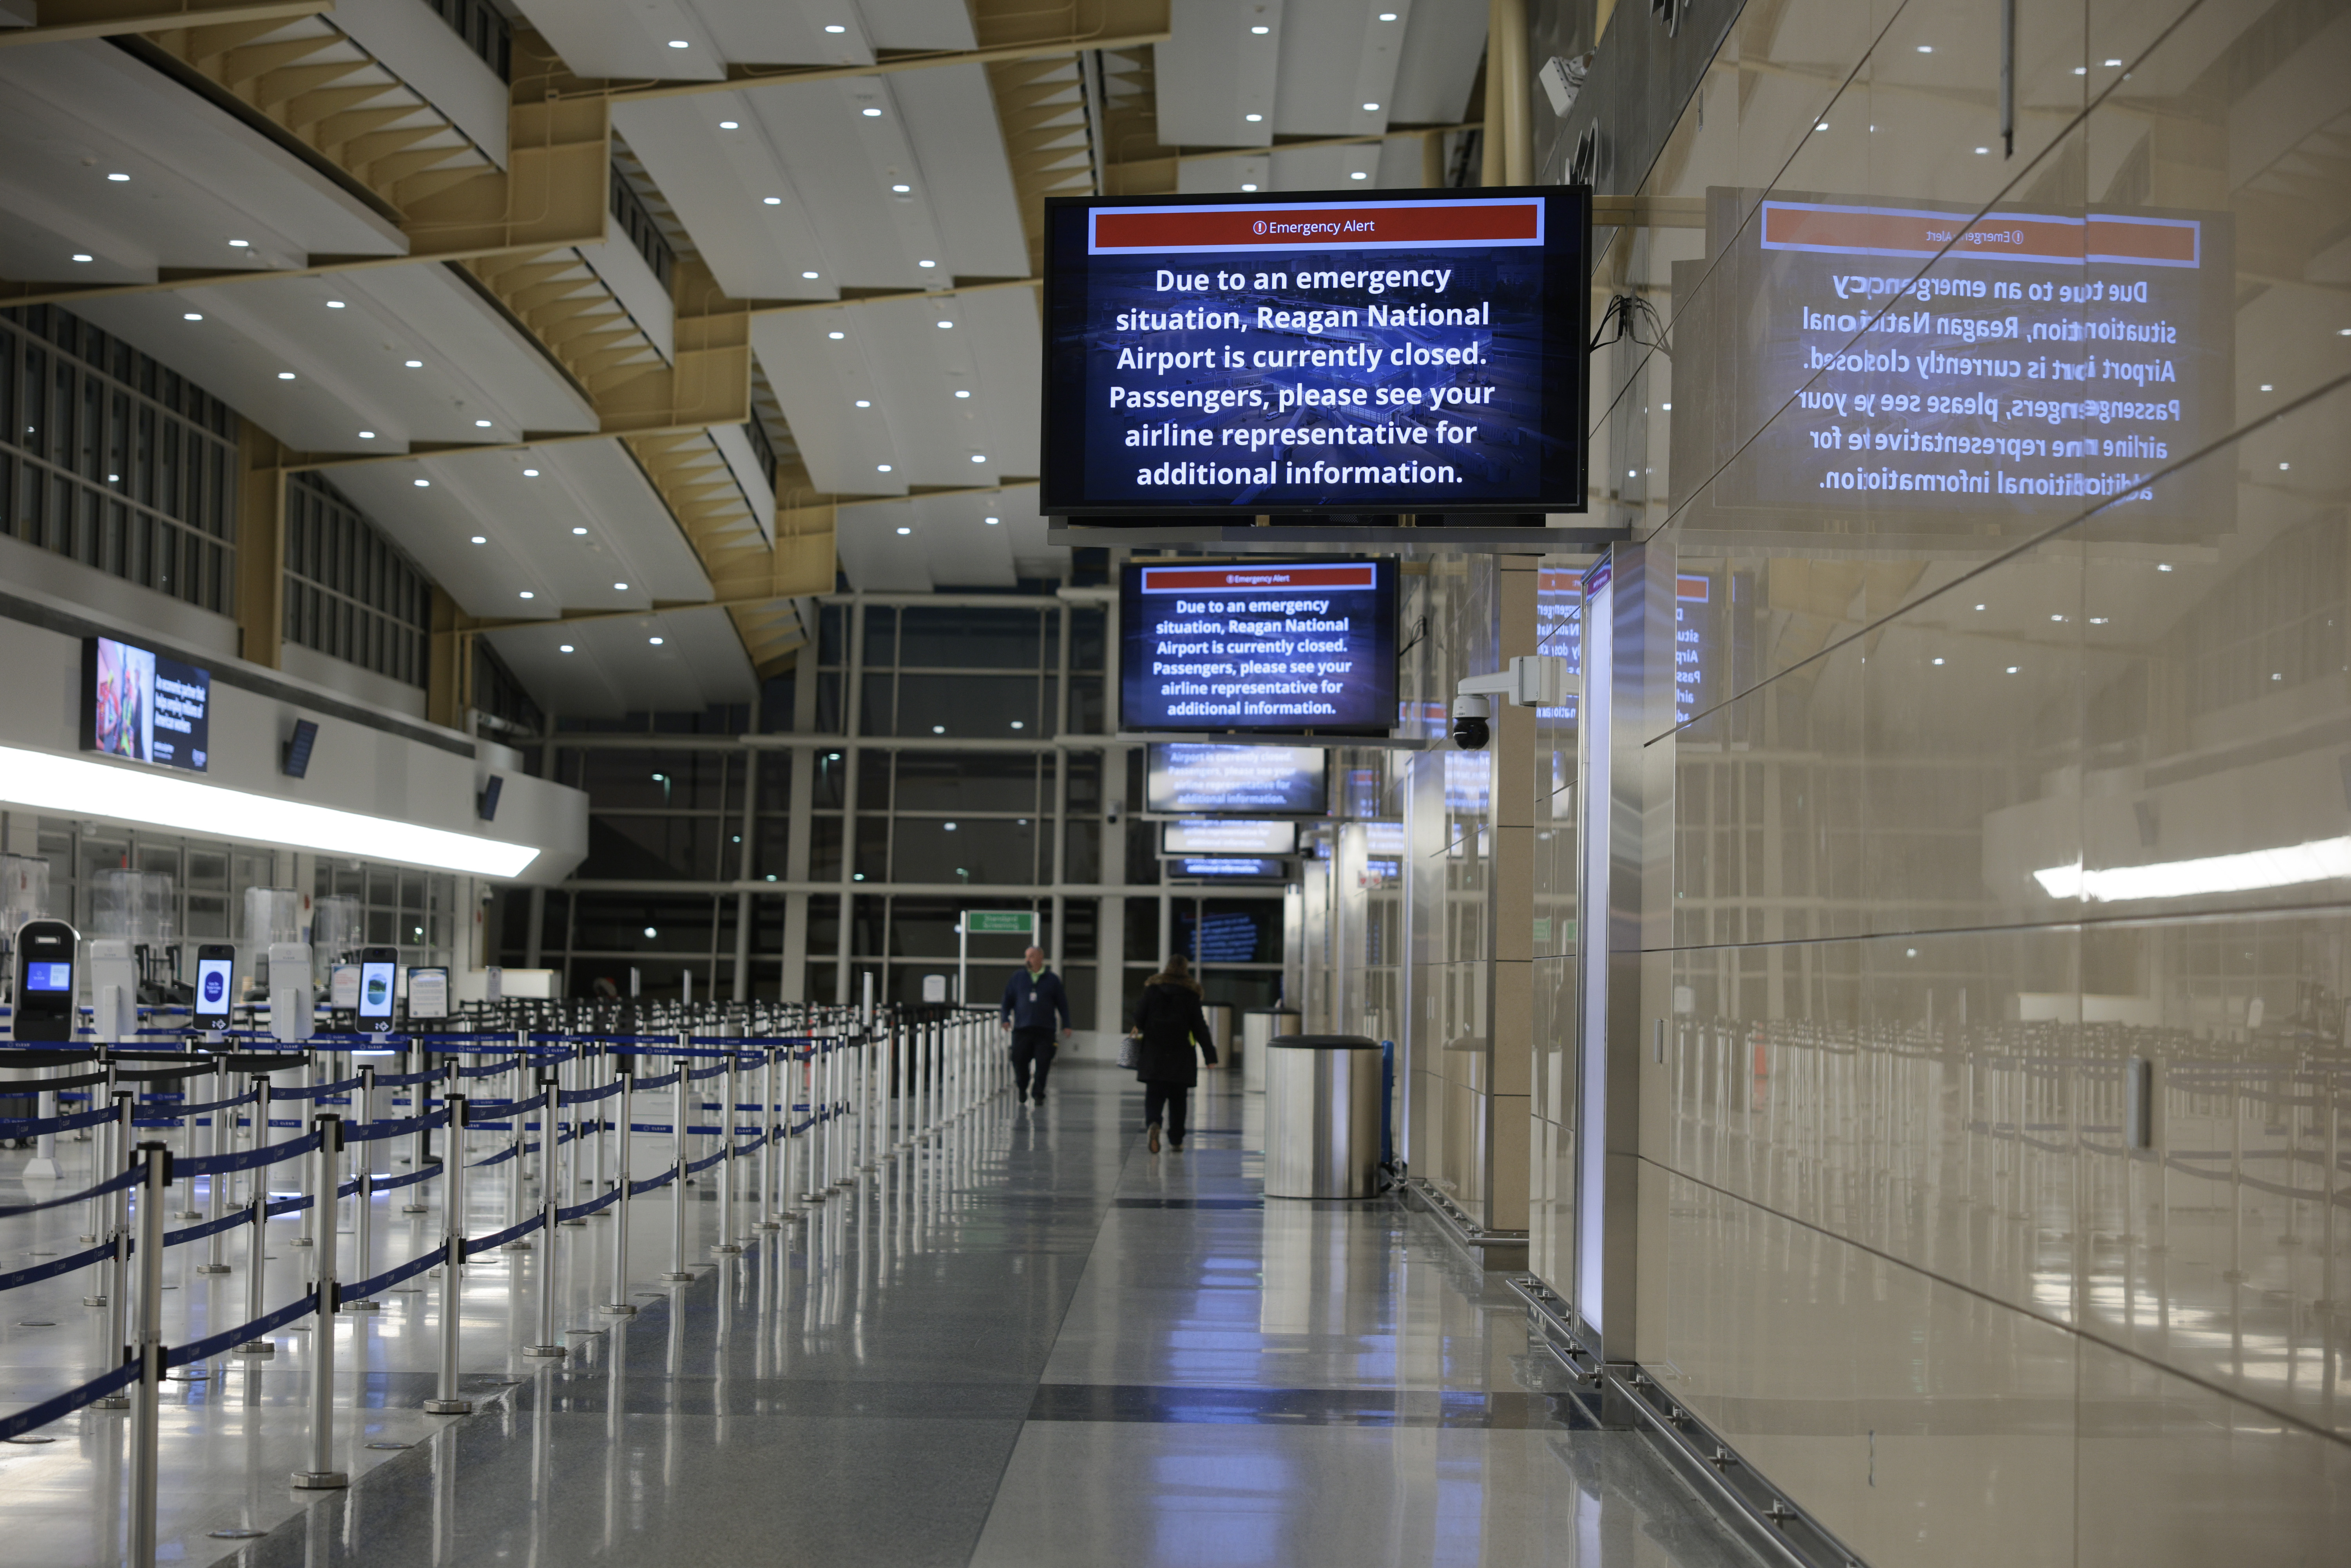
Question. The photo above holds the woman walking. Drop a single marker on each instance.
(1167, 1020)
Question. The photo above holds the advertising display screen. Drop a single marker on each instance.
(1224, 836)
(143, 707)
(1281, 647)
(1183, 777)
(1304, 352)
(1957, 369)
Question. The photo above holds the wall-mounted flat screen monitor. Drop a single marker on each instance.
(1281, 647)
(1227, 836)
(1321, 351)
(145, 706)
(1229, 868)
(1186, 776)
(298, 746)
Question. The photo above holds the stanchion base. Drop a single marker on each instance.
(578, 1222)
(545, 1350)
(771, 1225)
(362, 1306)
(449, 1408)
(318, 1481)
(813, 1198)
(188, 1213)
(86, 1240)
(187, 1375)
(413, 1208)
(871, 1165)
(212, 1268)
(35, 1169)
(93, 1301)
(259, 1350)
(678, 1278)
(618, 1310)
(111, 1402)
(515, 1246)
(726, 1248)
(304, 1241)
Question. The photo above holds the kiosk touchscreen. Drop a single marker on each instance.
(45, 980)
(378, 965)
(216, 981)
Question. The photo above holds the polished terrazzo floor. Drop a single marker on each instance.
(1034, 1345)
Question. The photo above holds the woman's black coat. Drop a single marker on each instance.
(1170, 1019)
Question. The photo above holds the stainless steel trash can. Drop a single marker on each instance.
(1220, 1028)
(1259, 1026)
(1321, 1115)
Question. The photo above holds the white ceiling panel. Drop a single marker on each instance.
(1216, 69)
(1444, 41)
(614, 667)
(950, 542)
(346, 340)
(1338, 65)
(895, 356)
(1327, 167)
(788, 32)
(917, 23)
(629, 38)
(951, 116)
(528, 507)
(1210, 176)
(72, 115)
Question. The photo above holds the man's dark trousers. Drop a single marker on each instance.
(1032, 1045)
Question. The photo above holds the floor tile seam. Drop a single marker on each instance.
(1981, 1294)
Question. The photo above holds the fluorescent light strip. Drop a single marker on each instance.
(2324, 859)
(72, 788)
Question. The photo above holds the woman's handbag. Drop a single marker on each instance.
(1130, 1051)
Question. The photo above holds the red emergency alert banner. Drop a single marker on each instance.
(1350, 225)
(1363, 575)
(1901, 231)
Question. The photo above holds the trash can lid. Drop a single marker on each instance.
(1273, 1012)
(1324, 1042)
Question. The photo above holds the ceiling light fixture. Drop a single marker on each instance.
(367, 436)
(1358, 174)
(526, 593)
(1371, 109)
(905, 530)
(836, 336)
(772, 200)
(192, 316)
(79, 256)
(565, 648)
(2113, 65)
(1261, 32)
(1387, 15)
(1926, 48)
(421, 484)
(118, 179)
(865, 403)
(654, 642)
(809, 275)
(1252, 119)
(927, 264)
(1982, 151)
(334, 305)
(872, 114)
(414, 364)
(579, 532)
(944, 325)
(991, 522)
(67, 785)
(881, 467)
(730, 125)
(480, 540)
(533, 473)
(901, 190)
(240, 245)
(620, 588)
(963, 391)
(1249, 187)
(834, 27)
(481, 425)
(977, 457)
(285, 375)
(679, 44)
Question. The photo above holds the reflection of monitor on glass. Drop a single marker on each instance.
(378, 965)
(1224, 836)
(1184, 777)
(215, 979)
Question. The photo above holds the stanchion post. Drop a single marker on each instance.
(256, 1251)
(444, 1401)
(727, 1245)
(311, 1080)
(548, 1344)
(771, 1155)
(517, 1126)
(321, 1475)
(216, 1193)
(603, 1127)
(620, 1306)
(154, 1163)
(363, 1200)
(678, 1273)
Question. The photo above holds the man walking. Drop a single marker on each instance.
(1033, 1001)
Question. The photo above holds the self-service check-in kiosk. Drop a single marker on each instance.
(45, 981)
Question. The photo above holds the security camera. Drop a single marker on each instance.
(1110, 811)
(1471, 729)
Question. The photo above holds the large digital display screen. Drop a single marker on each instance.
(143, 707)
(1278, 647)
(1955, 369)
(1226, 836)
(1190, 777)
(1312, 351)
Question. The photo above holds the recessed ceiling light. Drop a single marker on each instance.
(1982, 150)
(772, 200)
(991, 522)
(2056, 618)
(533, 473)
(580, 532)
(1666, 406)
(656, 642)
(285, 375)
(2160, 565)
(1249, 187)
(679, 44)
(1371, 108)
(836, 336)
(367, 436)
(564, 648)
(118, 179)
(2284, 466)
(865, 403)
(872, 114)
(927, 264)
(2113, 65)
(1018, 724)
(414, 364)
(2267, 387)
(421, 484)
(1823, 125)
(944, 325)
(834, 27)
(1387, 15)
(2013, 669)
(334, 305)
(526, 593)
(1938, 661)
(2080, 70)
(192, 314)
(730, 125)
(480, 540)
(1979, 607)
(1252, 119)
(2098, 620)
(620, 588)
(240, 245)
(901, 190)
(977, 457)
(808, 274)
(905, 530)
(481, 425)
(963, 391)
(1260, 31)
(1358, 174)
(78, 257)
(881, 467)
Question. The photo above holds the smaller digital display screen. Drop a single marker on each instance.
(1223, 836)
(1229, 868)
(49, 976)
(299, 747)
(213, 980)
(146, 707)
(375, 990)
(1274, 647)
(1185, 777)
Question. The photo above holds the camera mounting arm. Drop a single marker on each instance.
(1533, 680)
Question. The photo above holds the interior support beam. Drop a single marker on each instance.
(63, 21)
(260, 547)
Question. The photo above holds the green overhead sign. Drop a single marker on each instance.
(1000, 921)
